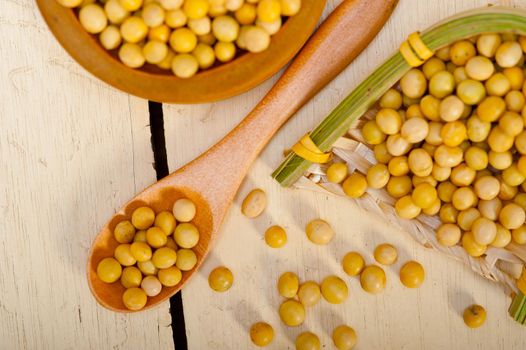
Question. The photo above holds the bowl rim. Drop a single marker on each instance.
(221, 82)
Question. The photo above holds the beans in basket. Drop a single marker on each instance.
(450, 141)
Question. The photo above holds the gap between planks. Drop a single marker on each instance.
(161, 170)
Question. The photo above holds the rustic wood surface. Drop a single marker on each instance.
(73, 150)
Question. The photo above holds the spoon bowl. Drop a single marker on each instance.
(159, 197)
(212, 180)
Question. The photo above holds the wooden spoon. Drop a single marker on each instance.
(212, 180)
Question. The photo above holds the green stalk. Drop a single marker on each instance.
(517, 308)
(338, 122)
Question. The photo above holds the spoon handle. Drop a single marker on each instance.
(342, 36)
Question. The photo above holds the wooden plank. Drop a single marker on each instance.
(72, 151)
(426, 318)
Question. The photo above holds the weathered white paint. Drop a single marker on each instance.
(72, 150)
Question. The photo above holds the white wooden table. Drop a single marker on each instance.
(73, 149)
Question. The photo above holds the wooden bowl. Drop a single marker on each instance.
(149, 82)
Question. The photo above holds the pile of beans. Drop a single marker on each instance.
(154, 251)
(182, 35)
(373, 278)
(449, 140)
(300, 296)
